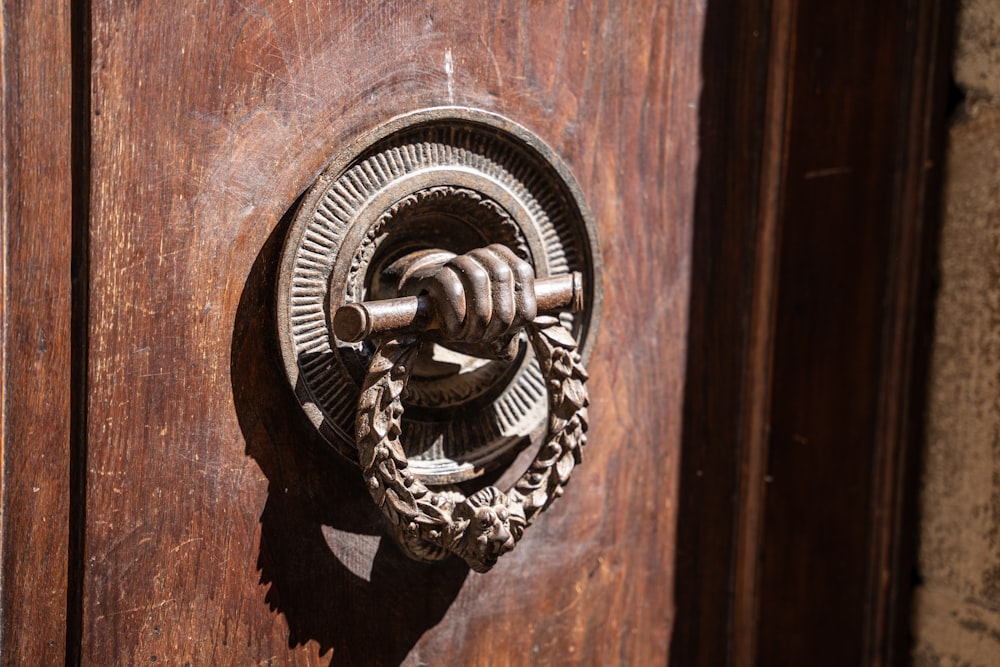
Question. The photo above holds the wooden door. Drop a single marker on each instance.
(219, 527)
(165, 500)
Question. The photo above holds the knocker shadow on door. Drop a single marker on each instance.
(331, 574)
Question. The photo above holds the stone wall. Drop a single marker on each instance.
(957, 604)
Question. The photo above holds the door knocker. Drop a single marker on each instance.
(437, 300)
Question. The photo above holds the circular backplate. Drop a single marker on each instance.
(450, 178)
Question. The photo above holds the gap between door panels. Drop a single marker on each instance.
(81, 61)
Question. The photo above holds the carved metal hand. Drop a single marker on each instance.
(480, 301)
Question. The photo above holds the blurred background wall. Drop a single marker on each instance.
(957, 600)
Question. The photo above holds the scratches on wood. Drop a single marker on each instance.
(208, 488)
(36, 230)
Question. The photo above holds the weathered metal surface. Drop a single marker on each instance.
(454, 179)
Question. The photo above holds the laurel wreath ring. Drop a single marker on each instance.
(430, 524)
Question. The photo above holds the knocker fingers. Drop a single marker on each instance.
(482, 297)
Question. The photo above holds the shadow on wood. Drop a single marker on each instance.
(332, 575)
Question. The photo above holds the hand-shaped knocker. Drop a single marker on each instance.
(477, 303)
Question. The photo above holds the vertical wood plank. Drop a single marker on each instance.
(728, 341)
(214, 514)
(910, 287)
(858, 225)
(36, 236)
(762, 310)
(821, 135)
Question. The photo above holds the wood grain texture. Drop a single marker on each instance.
(36, 242)
(858, 230)
(912, 275)
(812, 266)
(219, 529)
(731, 250)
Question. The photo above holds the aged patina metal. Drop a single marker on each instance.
(481, 301)
(450, 178)
(354, 322)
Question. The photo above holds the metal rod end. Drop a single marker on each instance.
(352, 323)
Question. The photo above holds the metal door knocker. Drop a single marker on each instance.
(437, 300)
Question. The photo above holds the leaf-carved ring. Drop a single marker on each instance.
(430, 524)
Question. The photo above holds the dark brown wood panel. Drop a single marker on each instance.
(864, 148)
(812, 266)
(219, 530)
(36, 232)
(729, 248)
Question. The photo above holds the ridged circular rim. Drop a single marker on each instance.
(302, 237)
